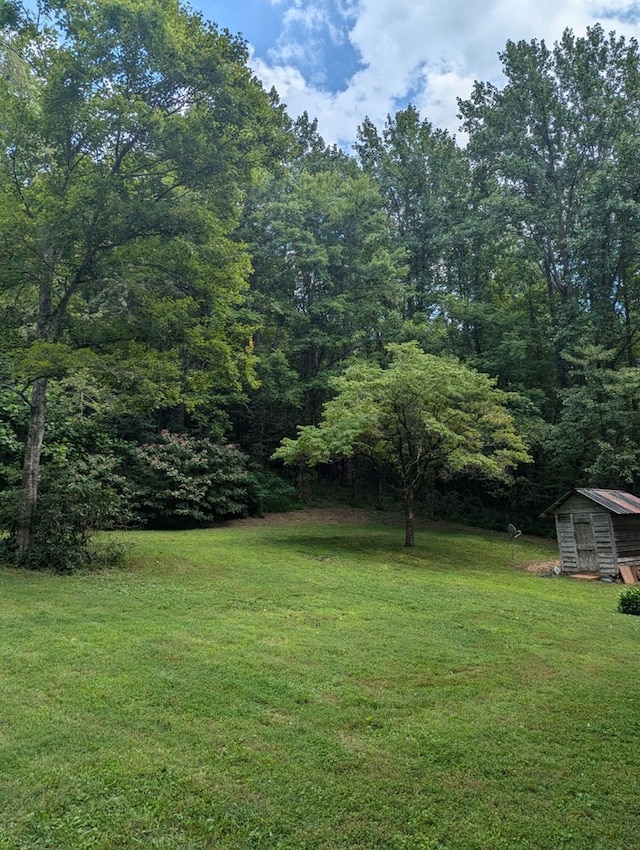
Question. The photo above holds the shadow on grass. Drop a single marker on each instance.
(461, 548)
(446, 545)
(339, 544)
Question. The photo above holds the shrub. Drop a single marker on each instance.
(269, 493)
(77, 497)
(629, 600)
(183, 480)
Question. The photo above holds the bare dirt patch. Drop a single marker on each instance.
(542, 567)
(326, 516)
(338, 515)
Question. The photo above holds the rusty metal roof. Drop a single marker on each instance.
(617, 501)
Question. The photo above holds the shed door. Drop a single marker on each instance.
(585, 544)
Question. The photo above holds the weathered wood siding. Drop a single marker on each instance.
(627, 533)
(593, 538)
(579, 504)
(566, 543)
(586, 537)
(606, 548)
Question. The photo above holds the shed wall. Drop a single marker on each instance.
(580, 504)
(606, 544)
(586, 537)
(566, 543)
(627, 534)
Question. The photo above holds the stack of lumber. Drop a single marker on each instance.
(630, 575)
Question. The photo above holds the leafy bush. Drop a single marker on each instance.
(270, 493)
(77, 497)
(12, 418)
(629, 600)
(183, 480)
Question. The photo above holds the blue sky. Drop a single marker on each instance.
(314, 36)
(344, 60)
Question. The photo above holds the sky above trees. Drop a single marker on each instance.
(342, 60)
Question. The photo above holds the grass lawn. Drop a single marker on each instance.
(310, 685)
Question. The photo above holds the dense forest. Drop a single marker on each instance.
(194, 287)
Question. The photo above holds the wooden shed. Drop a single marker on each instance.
(598, 531)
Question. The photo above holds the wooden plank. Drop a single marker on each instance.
(629, 574)
(586, 576)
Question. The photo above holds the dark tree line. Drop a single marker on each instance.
(186, 272)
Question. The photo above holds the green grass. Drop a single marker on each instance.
(313, 686)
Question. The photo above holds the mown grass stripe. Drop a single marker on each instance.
(314, 687)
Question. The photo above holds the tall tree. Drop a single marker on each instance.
(423, 178)
(326, 280)
(129, 131)
(596, 441)
(559, 141)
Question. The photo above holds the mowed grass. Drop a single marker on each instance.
(316, 686)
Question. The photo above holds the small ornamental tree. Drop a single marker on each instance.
(418, 418)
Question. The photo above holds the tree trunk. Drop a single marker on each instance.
(409, 519)
(23, 534)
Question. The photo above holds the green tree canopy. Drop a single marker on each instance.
(560, 143)
(326, 282)
(424, 180)
(129, 133)
(419, 417)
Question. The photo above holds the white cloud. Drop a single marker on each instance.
(426, 49)
(309, 16)
(307, 26)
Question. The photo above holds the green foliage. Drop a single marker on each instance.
(176, 253)
(420, 416)
(13, 415)
(183, 480)
(270, 493)
(78, 498)
(424, 178)
(127, 148)
(629, 600)
(326, 282)
(596, 441)
(554, 148)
